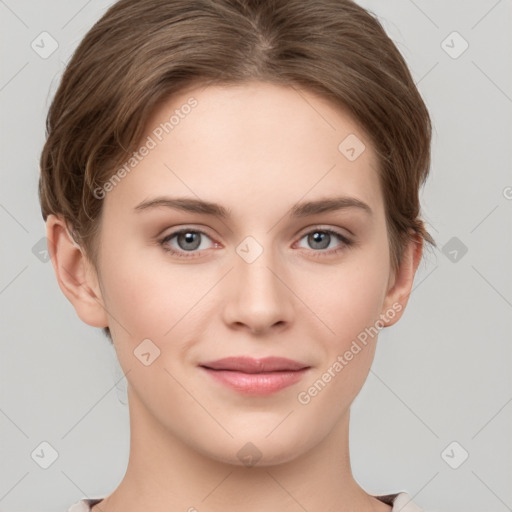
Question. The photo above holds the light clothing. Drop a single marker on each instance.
(401, 503)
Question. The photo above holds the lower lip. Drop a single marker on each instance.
(256, 383)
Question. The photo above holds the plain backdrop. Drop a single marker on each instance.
(435, 415)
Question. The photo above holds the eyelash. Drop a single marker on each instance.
(347, 243)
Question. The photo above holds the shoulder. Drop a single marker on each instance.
(84, 505)
(400, 501)
(403, 503)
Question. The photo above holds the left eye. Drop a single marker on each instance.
(321, 239)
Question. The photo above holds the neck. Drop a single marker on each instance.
(165, 474)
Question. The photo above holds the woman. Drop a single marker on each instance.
(230, 189)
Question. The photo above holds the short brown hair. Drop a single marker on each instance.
(141, 52)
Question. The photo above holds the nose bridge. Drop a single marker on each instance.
(258, 297)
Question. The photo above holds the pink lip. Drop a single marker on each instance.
(256, 376)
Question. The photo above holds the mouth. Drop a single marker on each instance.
(255, 376)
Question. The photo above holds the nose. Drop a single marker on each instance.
(258, 297)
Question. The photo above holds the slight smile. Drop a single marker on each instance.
(256, 376)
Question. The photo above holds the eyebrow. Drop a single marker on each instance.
(299, 210)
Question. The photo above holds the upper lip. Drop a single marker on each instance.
(250, 365)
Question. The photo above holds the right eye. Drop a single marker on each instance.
(187, 240)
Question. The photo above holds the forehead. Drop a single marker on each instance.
(249, 145)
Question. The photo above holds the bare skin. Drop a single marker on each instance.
(257, 149)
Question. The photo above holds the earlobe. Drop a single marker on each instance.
(400, 289)
(75, 274)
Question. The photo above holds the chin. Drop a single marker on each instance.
(258, 452)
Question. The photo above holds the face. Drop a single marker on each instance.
(263, 275)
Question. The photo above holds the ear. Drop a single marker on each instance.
(400, 282)
(75, 273)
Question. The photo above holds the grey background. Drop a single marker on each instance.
(442, 374)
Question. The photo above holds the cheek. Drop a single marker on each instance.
(350, 295)
(151, 298)
(148, 300)
(350, 306)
